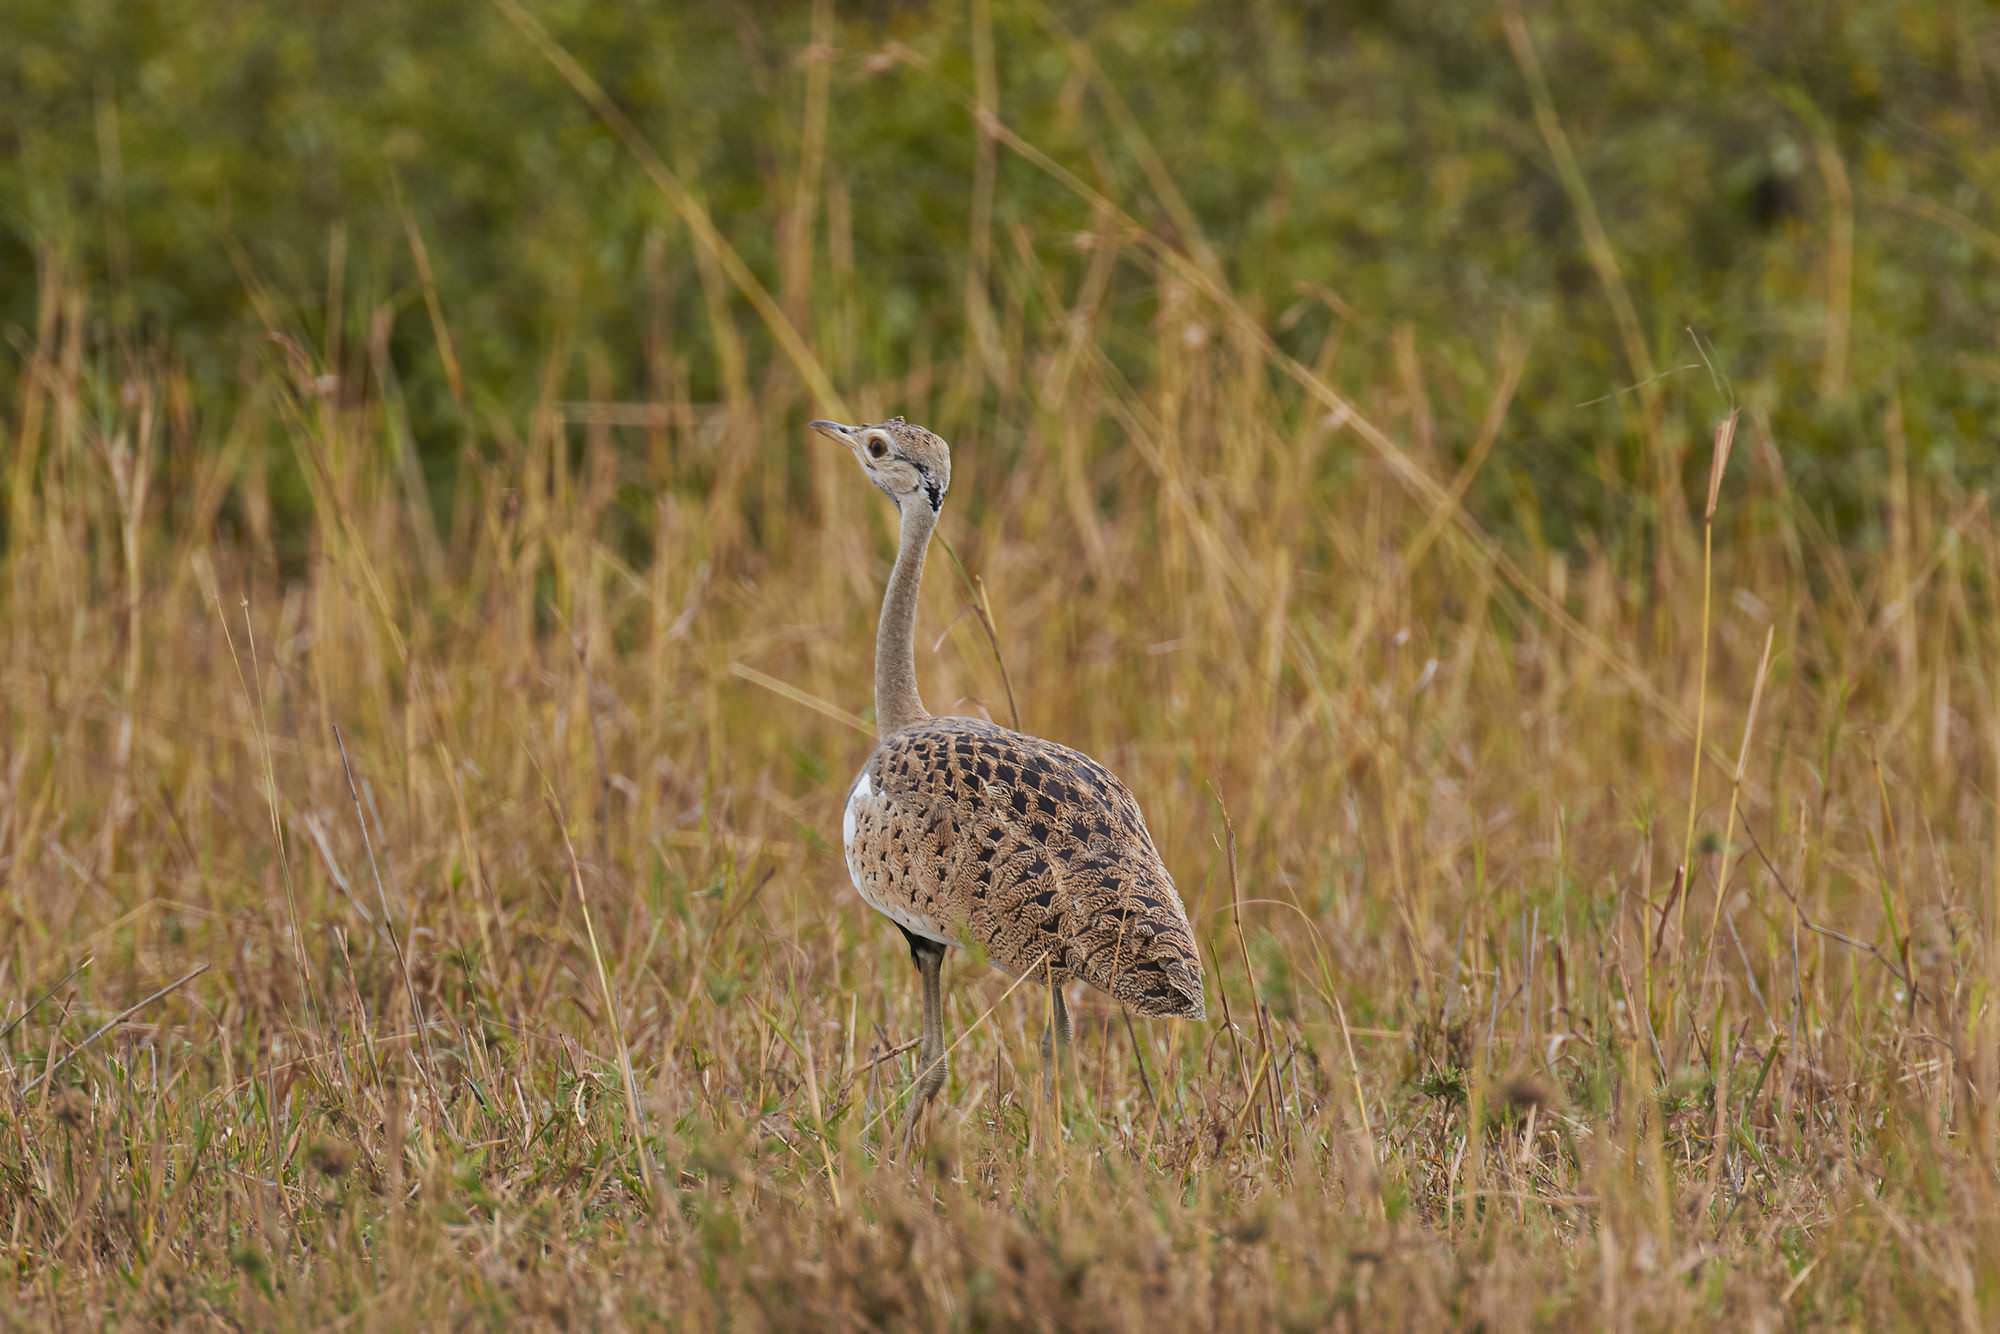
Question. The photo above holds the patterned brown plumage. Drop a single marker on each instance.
(958, 829)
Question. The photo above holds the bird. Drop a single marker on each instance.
(959, 830)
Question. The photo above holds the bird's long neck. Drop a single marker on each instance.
(897, 704)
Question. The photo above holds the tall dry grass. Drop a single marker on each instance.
(503, 824)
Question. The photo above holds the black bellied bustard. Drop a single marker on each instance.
(956, 829)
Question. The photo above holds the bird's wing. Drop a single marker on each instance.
(1039, 854)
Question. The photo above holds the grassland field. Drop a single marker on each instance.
(1570, 709)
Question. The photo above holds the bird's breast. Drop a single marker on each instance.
(880, 864)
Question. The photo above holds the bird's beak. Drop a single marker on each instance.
(834, 431)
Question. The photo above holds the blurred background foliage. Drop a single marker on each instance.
(1810, 186)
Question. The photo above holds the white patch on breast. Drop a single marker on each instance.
(860, 793)
(901, 914)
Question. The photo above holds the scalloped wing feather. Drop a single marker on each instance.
(959, 829)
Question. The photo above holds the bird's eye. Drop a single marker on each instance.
(876, 449)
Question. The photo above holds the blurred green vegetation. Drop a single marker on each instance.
(1370, 164)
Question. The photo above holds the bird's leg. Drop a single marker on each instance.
(1055, 1040)
(931, 1061)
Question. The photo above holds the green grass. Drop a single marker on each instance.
(548, 1000)
(1813, 196)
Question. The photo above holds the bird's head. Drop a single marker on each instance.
(909, 463)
